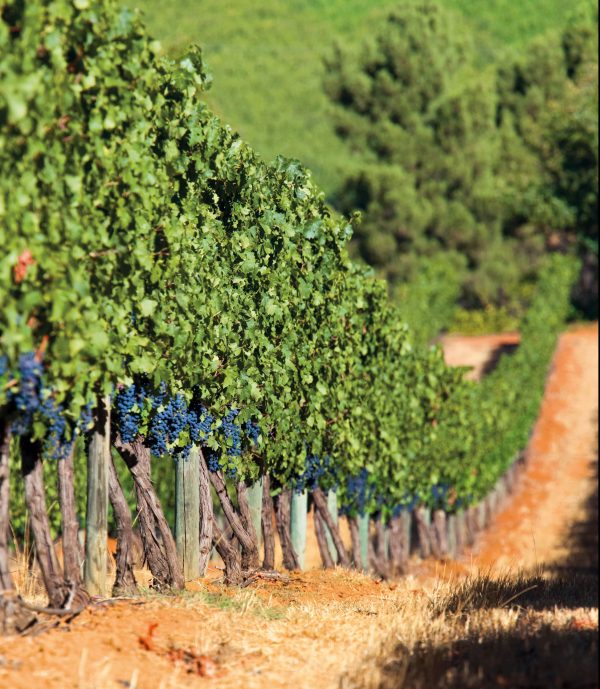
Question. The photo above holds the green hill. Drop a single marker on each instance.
(267, 59)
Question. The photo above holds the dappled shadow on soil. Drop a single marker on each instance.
(524, 590)
(495, 356)
(546, 658)
(582, 557)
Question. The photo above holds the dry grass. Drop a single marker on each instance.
(513, 630)
(335, 630)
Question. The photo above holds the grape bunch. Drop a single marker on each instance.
(200, 424)
(407, 505)
(26, 397)
(128, 406)
(232, 433)
(56, 443)
(212, 461)
(252, 432)
(31, 399)
(315, 468)
(439, 493)
(86, 419)
(359, 491)
(167, 425)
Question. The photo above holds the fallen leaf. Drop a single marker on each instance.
(146, 641)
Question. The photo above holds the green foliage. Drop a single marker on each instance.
(491, 319)
(498, 164)
(508, 399)
(162, 247)
(258, 47)
(427, 302)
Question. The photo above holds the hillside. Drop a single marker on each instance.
(266, 59)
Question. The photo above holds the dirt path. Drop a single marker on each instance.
(306, 633)
(549, 521)
(479, 352)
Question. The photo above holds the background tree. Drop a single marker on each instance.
(496, 163)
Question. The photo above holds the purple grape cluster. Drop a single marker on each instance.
(86, 418)
(169, 418)
(212, 461)
(359, 492)
(128, 406)
(26, 396)
(315, 468)
(252, 432)
(232, 433)
(56, 443)
(167, 425)
(31, 397)
(439, 493)
(408, 505)
(200, 424)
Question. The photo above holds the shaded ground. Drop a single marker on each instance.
(338, 629)
(480, 352)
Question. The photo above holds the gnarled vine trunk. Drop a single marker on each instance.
(439, 535)
(422, 522)
(229, 555)
(249, 546)
(380, 555)
(320, 502)
(400, 543)
(125, 582)
(250, 557)
(35, 499)
(355, 538)
(283, 514)
(72, 553)
(159, 545)
(206, 516)
(267, 519)
(326, 558)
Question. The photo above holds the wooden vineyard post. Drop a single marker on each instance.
(255, 498)
(298, 525)
(452, 540)
(439, 534)
(423, 520)
(333, 510)
(482, 521)
(187, 513)
(461, 531)
(96, 551)
(405, 520)
(364, 522)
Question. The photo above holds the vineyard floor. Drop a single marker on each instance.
(444, 625)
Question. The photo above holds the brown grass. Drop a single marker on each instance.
(517, 630)
(334, 630)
